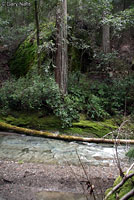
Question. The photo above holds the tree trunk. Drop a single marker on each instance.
(106, 38)
(37, 34)
(124, 4)
(5, 126)
(61, 69)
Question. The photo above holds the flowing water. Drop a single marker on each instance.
(23, 148)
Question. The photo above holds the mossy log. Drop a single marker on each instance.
(5, 126)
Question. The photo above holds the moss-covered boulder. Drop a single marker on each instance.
(25, 56)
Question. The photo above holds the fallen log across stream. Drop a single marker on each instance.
(8, 127)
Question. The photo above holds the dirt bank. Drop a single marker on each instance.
(23, 181)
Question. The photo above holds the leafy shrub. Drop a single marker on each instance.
(130, 153)
(37, 93)
(95, 109)
(86, 101)
(103, 60)
(100, 99)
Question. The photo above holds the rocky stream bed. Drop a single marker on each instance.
(35, 168)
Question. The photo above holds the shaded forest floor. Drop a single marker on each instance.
(25, 181)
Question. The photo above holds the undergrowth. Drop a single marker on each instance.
(96, 100)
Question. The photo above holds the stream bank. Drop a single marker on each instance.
(31, 166)
(30, 180)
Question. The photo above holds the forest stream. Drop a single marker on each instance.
(40, 168)
(23, 148)
(45, 169)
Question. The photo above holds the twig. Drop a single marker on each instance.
(84, 191)
(109, 133)
(82, 164)
(124, 177)
(129, 169)
(88, 182)
(116, 148)
(118, 130)
(7, 181)
(118, 161)
(121, 126)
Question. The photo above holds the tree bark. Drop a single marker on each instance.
(106, 35)
(37, 34)
(124, 4)
(61, 69)
(106, 38)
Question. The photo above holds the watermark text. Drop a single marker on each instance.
(14, 4)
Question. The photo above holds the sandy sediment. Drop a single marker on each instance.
(23, 181)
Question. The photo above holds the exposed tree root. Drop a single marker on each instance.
(5, 126)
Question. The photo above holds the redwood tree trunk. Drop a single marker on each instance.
(61, 69)
(124, 4)
(106, 38)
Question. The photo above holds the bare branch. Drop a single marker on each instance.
(110, 133)
(118, 131)
(88, 182)
(82, 165)
(124, 177)
(130, 168)
(122, 124)
(118, 161)
(84, 191)
(116, 148)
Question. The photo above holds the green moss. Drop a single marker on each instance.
(128, 185)
(25, 56)
(117, 181)
(39, 121)
(112, 197)
(97, 128)
(33, 120)
(84, 132)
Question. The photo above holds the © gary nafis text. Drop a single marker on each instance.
(12, 4)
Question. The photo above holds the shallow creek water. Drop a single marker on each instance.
(23, 148)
